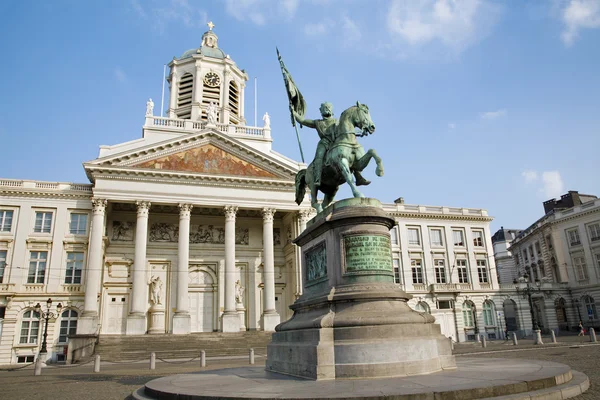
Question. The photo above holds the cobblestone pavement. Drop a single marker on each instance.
(118, 381)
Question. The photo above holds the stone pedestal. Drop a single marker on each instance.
(230, 322)
(242, 313)
(352, 320)
(181, 324)
(136, 324)
(157, 319)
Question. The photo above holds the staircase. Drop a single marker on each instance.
(215, 344)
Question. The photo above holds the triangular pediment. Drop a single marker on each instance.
(206, 153)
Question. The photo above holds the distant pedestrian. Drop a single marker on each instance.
(506, 335)
(581, 329)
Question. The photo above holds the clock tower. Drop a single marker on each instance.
(203, 76)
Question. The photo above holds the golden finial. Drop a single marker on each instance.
(210, 25)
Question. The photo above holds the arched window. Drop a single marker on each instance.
(590, 307)
(510, 315)
(561, 312)
(468, 317)
(489, 313)
(422, 307)
(68, 325)
(234, 102)
(184, 96)
(30, 326)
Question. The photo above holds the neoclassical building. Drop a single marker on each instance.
(189, 229)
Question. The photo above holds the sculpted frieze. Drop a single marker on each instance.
(316, 263)
(122, 231)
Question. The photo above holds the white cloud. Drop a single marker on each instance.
(351, 31)
(173, 11)
(493, 114)
(457, 24)
(578, 15)
(259, 11)
(529, 176)
(318, 29)
(120, 75)
(451, 125)
(553, 184)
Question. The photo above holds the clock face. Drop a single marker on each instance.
(211, 79)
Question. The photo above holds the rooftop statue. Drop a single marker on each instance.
(339, 157)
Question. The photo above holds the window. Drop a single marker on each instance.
(6, 217)
(435, 235)
(68, 325)
(467, 310)
(590, 307)
(396, 264)
(580, 268)
(422, 307)
(2, 264)
(74, 267)
(440, 271)
(417, 271)
(444, 304)
(78, 224)
(394, 235)
(574, 237)
(25, 359)
(594, 232)
(463, 275)
(234, 101)
(30, 326)
(525, 256)
(413, 237)
(531, 252)
(598, 260)
(43, 222)
(459, 237)
(37, 266)
(184, 95)
(549, 241)
(482, 271)
(489, 313)
(538, 250)
(478, 238)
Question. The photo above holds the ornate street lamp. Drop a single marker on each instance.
(47, 315)
(526, 291)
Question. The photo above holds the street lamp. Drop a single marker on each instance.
(527, 291)
(47, 315)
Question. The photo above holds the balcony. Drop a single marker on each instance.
(444, 288)
(34, 287)
(72, 288)
(7, 287)
(419, 287)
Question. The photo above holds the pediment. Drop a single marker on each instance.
(207, 153)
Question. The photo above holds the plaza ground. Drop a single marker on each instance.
(119, 380)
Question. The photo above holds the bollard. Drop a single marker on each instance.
(592, 335)
(251, 356)
(483, 341)
(515, 341)
(203, 358)
(97, 363)
(451, 343)
(553, 336)
(37, 368)
(537, 337)
(152, 360)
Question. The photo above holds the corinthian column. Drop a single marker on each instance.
(88, 323)
(270, 318)
(181, 319)
(136, 320)
(303, 217)
(230, 319)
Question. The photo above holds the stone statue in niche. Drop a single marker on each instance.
(155, 290)
(277, 236)
(122, 231)
(211, 113)
(288, 239)
(239, 292)
(149, 108)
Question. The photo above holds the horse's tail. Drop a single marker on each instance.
(300, 186)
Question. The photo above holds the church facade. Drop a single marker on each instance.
(189, 229)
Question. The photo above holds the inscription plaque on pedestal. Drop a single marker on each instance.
(367, 253)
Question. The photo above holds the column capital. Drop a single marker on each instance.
(185, 208)
(304, 214)
(142, 208)
(99, 205)
(268, 214)
(230, 212)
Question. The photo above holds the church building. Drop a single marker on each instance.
(189, 229)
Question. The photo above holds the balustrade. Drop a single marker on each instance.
(188, 125)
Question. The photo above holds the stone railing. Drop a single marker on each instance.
(419, 287)
(443, 287)
(189, 125)
(435, 210)
(34, 287)
(485, 286)
(7, 287)
(72, 288)
(53, 186)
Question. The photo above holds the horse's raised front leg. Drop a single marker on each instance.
(362, 162)
(344, 166)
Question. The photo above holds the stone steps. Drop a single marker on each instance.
(215, 344)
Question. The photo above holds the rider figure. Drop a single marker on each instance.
(326, 129)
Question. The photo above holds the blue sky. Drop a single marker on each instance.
(477, 103)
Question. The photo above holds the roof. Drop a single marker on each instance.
(206, 51)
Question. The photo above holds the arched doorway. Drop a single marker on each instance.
(510, 315)
(561, 314)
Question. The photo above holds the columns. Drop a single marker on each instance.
(181, 319)
(88, 323)
(270, 318)
(173, 93)
(136, 320)
(230, 319)
(303, 216)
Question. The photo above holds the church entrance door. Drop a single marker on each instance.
(201, 311)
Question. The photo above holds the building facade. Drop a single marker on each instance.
(505, 263)
(189, 229)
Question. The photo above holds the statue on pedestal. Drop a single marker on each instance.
(149, 108)
(267, 120)
(211, 113)
(155, 290)
(239, 292)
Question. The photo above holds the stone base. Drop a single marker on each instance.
(80, 347)
(270, 321)
(157, 320)
(136, 325)
(181, 324)
(230, 322)
(87, 325)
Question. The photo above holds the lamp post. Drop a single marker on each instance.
(46, 315)
(526, 291)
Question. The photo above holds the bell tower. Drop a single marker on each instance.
(203, 76)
